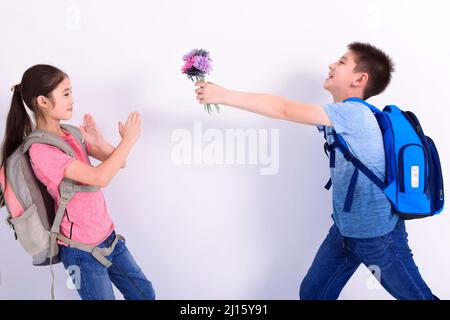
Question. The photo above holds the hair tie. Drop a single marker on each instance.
(16, 88)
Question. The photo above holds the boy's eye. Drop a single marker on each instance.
(341, 62)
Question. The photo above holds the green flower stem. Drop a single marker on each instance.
(207, 106)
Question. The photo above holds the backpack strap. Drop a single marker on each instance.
(340, 144)
(99, 254)
(74, 131)
(67, 190)
(371, 107)
(45, 137)
(329, 184)
(359, 166)
(331, 154)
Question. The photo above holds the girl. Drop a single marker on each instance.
(47, 92)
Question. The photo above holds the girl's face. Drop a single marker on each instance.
(60, 104)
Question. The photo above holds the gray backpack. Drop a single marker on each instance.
(30, 208)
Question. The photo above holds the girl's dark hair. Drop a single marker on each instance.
(39, 80)
(376, 63)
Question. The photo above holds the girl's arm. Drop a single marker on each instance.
(99, 149)
(102, 174)
(103, 152)
(265, 104)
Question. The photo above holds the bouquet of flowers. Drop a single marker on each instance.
(197, 64)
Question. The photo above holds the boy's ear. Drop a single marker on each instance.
(361, 80)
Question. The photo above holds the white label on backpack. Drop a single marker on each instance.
(414, 176)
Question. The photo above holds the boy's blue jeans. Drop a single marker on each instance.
(388, 257)
(94, 281)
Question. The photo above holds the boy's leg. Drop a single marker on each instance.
(398, 273)
(89, 277)
(128, 277)
(331, 269)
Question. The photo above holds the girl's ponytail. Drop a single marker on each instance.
(18, 125)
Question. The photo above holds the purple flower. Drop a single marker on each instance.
(202, 63)
(191, 54)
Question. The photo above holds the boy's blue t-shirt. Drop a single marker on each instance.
(370, 215)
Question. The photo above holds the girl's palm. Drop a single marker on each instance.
(90, 132)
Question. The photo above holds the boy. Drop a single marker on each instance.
(369, 233)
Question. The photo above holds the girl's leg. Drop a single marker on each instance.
(128, 277)
(90, 278)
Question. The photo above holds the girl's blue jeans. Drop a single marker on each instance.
(94, 281)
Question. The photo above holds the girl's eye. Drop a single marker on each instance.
(341, 62)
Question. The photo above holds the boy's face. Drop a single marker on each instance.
(342, 77)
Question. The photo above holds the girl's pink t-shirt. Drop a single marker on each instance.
(86, 219)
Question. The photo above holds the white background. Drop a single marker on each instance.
(225, 231)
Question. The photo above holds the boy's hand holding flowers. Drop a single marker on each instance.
(210, 93)
(197, 64)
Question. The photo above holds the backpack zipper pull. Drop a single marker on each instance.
(15, 233)
(2, 201)
(12, 227)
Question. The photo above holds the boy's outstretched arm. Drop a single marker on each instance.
(265, 104)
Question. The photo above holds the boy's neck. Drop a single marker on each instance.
(342, 97)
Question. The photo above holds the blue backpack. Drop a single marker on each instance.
(413, 180)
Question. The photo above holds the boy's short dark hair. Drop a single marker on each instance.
(376, 63)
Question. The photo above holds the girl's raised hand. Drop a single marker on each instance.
(90, 132)
(131, 130)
